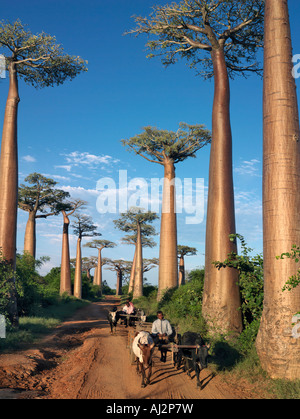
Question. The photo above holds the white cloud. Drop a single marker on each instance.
(80, 192)
(29, 159)
(57, 177)
(249, 168)
(75, 158)
(66, 167)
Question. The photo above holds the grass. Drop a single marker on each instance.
(34, 328)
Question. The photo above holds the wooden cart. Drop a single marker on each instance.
(147, 327)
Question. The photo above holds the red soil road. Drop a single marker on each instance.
(82, 360)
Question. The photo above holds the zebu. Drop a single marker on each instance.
(143, 347)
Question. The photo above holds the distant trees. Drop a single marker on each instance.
(88, 263)
(168, 148)
(182, 252)
(146, 242)
(65, 272)
(99, 245)
(40, 199)
(219, 39)
(83, 227)
(121, 267)
(40, 61)
(137, 220)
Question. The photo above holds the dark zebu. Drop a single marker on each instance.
(113, 318)
(197, 356)
(143, 347)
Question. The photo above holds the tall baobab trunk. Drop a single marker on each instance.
(119, 282)
(95, 276)
(30, 235)
(221, 297)
(278, 351)
(65, 272)
(181, 279)
(132, 273)
(138, 276)
(99, 268)
(168, 265)
(78, 271)
(9, 182)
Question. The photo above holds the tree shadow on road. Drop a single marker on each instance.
(225, 356)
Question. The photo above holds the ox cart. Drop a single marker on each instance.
(133, 318)
(188, 348)
(147, 327)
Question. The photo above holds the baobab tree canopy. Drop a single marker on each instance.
(157, 145)
(42, 196)
(40, 200)
(188, 28)
(128, 221)
(40, 60)
(186, 250)
(84, 227)
(96, 244)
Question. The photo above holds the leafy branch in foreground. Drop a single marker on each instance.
(250, 270)
(293, 280)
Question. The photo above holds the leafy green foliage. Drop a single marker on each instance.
(33, 291)
(39, 59)
(157, 145)
(129, 220)
(294, 280)
(185, 300)
(7, 287)
(250, 279)
(83, 226)
(186, 251)
(181, 306)
(192, 29)
(96, 244)
(40, 195)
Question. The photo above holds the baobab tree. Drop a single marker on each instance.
(168, 148)
(146, 242)
(149, 264)
(65, 271)
(122, 267)
(219, 39)
(137, 220)
(182, 252)
(83, 227)
(40, 61)
(100, 245)
(104, 261)
(278, 350)
(88, 263)
(40, 199)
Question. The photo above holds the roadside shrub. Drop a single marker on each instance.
(251, 282)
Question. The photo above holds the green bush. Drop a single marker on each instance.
(251, 280)
(7, 288)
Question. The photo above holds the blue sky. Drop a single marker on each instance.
(73, 132)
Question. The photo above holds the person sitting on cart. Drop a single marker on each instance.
(129, 310)
(162, 334)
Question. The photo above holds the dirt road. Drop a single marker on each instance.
(82, 360)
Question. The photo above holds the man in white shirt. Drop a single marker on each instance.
(161, 333)
(129, 310)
